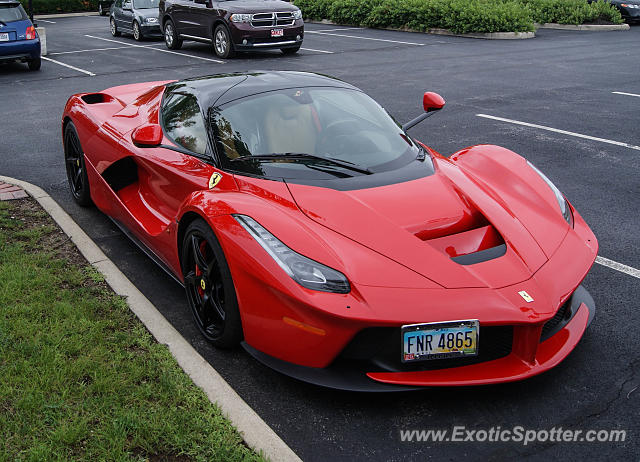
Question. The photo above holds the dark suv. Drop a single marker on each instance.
(232, 25)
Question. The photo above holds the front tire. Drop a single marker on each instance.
(75, 165)
(171, 38)
(209, 286)
(113, 27)
(290, 51)
(34, 64)
(137, 33)
(222, 42)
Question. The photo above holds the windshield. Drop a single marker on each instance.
(145, 4)
(334, 123)
(12, 12)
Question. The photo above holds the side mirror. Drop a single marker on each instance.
(147, 136)
(431, 102)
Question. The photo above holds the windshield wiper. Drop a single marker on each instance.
(299, 155)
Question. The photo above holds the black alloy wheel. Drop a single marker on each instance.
(76, 170)
(210, 291)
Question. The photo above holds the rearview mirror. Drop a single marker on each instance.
(147, 136)
(432, 101)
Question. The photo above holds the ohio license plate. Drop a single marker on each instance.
(439, 340)
(4, 37)
(277, 32)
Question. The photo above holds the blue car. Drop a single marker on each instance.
(19, 40)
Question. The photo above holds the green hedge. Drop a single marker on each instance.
(572, 11)
(459, 16)
(60, 6)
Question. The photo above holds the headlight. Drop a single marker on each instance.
(240, 17)
(562, 202)
(306, 272)
(151, 20)
(297, 14)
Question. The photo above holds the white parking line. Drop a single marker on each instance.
(156, 49)
(87, 50)
(626, 94)
(563, 132)
(69, 66)
(317, 51)
(338, 29)
(44, 20)
(363, 38)
(618, 267)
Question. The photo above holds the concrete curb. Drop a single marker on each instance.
(256, 433)
(64, 15)
(436, 31)
(583, 27)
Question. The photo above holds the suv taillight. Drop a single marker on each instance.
(31, 33)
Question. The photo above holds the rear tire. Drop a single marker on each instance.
(34, 64)
(114, 28)
(290, 51)
(75, 165)
(222, 43)
(209, 286)
(171, 39)
(137, 33)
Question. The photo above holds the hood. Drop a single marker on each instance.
(148, 12)
(258, 6)
(424, 224)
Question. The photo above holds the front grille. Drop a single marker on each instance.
(284, 19)
(272, 19)
(378, 349)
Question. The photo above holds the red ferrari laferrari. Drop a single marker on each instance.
(310, 227)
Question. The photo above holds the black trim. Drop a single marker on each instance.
(566, 312)
(146, 250)
(482, 255)
(337, 376)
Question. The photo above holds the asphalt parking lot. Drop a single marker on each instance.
(579, 90)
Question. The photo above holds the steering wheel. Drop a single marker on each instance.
(337, 136)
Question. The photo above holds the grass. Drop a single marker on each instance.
(80, 376)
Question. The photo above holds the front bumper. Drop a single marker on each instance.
(151, 30)
(21, 50)
(630, 14)
(246, 37)
(533, 349)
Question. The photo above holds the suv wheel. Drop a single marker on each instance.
(136, 31)
(171, 36)
(222, 42)
(290, 51)
(114, 29)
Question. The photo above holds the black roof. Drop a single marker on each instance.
(218, 89)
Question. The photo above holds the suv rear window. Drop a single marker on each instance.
(12, 12)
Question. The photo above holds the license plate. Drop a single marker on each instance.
(439, 340)
(4, 37)
(277, 33)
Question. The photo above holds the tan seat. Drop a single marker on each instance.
(290, 128)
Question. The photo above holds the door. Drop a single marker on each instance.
(126, 15)
(200, 14)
